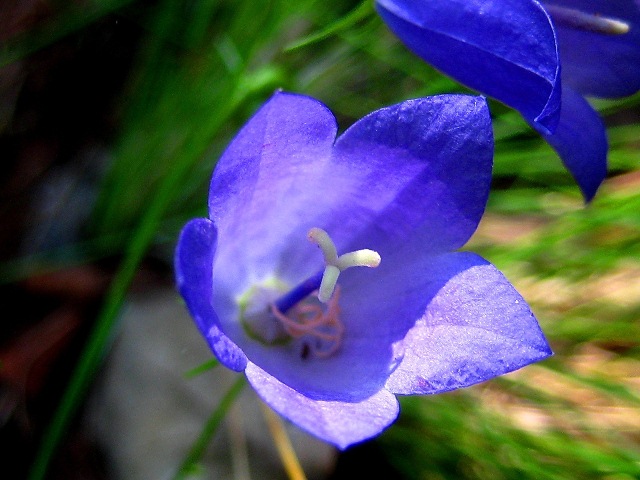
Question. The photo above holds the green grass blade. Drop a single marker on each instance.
(362, 11)
(208, 431)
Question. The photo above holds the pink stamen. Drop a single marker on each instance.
(309, 319)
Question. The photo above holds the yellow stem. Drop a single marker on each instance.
(283, 444)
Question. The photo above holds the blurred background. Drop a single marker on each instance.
(112, 116)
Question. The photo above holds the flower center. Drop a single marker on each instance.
(579, 20)
(273, 316)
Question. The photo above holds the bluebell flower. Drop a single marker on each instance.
(326, 269)
(540, 58)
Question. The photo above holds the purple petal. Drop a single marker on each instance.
(474, 328)
(400, 194)
(581, 142)
(358, 369)
(504, 49)
(194, 259)
(265, 183)
(414, 195)
(279, 177)
(342, 423)
(599, 64)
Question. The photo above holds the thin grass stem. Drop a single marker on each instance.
(283, 444)
(209, 430)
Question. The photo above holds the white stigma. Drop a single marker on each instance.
(587, 21)
(336, 264)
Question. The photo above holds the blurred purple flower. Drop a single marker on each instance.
(515, 50)
(409, 182)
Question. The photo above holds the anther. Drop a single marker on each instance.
(334, 264)
(587, 21)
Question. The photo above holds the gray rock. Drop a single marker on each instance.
(146, 414)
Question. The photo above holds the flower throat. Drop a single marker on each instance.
(310, 311)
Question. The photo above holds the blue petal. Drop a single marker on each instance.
(391, 171)
(194, 258)
(504, 49)
(475, 327)
(408, 181)
(422, 172)
(266, 190)
(342, 423)
(581, 142)
(598, 64)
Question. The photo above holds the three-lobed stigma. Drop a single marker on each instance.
(335, 264)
